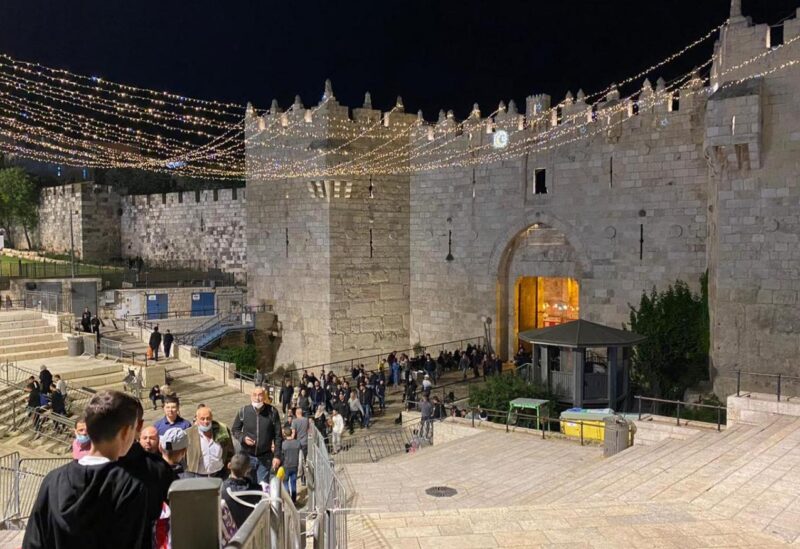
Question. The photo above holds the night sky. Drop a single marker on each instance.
(445, 54)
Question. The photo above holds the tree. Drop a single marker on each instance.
(19, 201)
(674, 356)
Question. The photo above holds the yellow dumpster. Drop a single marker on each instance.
(592, 420)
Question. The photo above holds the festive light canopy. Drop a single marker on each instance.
(59, 117)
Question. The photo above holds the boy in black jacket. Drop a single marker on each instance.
(92, 502)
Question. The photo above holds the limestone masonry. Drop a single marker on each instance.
(677, 183)
(633, 195)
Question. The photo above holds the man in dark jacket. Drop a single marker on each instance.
(45, 379)
(155, 342)
(150, 469)
(86, 320)
(287, 393)
(96, 328)
(168, 340)
(258, 427)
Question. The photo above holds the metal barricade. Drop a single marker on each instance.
(9, 495)
(327, 495)
(45, 302)
(29, 474)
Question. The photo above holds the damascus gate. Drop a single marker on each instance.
(535, 214)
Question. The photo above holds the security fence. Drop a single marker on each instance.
(20, 480)
(327, 495)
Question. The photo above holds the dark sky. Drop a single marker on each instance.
(436, 54)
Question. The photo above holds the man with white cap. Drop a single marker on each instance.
(173, 445)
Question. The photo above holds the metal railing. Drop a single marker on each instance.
(20, 480)
(327, 495)
(776, 382)
(76, 398)
(476, 416)
(370, 361)
(373, 447)
(29, 474)
(210, 363)
(46, 302)
(9, 494)
(721, 410)
(275, 523)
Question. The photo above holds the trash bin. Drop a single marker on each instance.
(617, 435)
(74, 346)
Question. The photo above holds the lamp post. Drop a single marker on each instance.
(487, 333)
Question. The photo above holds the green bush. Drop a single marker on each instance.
(498, 391)
(245, 357)
(674, 356)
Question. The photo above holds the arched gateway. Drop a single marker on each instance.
(539, 265)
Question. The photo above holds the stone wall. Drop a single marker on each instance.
(646, 181)
(331, 255)
(753, 142)
(652, 190)
(175, 229)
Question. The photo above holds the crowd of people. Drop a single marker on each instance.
(117, 484)
(46, 395)
(116, 487)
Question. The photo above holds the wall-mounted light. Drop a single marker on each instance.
(449, 246)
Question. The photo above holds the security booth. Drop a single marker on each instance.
(529, 406)
(583, 363)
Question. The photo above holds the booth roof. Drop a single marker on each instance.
(581, 333)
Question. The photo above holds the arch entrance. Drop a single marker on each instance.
(539, 276)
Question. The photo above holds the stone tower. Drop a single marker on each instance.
(329, 253)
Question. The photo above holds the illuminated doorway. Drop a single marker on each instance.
(541, 302)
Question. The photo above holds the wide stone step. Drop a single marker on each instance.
(27, 338)
(55, 342)
(35, 355)
(27, 331)
(14, 316)
(17, 324)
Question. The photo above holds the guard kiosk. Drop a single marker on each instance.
(534, 404)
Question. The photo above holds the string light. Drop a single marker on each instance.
(57, 116)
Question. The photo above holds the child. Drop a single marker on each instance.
(92, 502)
(239, 481)
(81, 445)
(291, 461)
(338, 429)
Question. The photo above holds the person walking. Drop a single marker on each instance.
(155, 342)
(169, 339)
(287, 393)
(257, 427)
(86, 321)
(96, 328)
(45, 379)
(337, 430)
(210, 446)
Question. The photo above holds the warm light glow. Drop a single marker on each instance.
(543, 301)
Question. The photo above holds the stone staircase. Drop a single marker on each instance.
(25, 335)
(194, 388)
(16, 432)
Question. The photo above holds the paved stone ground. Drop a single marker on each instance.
(737, 488)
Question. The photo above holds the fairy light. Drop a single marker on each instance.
(58, 116)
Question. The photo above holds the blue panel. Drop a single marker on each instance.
(157, 306)
(203, 304)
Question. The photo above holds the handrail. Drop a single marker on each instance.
(328, 366)
(680, 403)
(779, 377)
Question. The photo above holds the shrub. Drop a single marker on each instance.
(245, 357)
